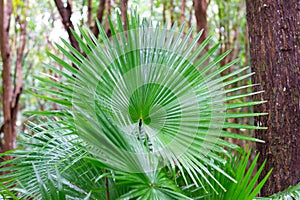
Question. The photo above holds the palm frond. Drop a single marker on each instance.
(142, 102)
(53, 161)
(293, 192)
(147, 80)
(247, 186)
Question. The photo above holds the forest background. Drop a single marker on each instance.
(29, 29)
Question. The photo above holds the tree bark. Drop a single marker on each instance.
(18, 70)
(182, 17)
(11, 93)
(275, 58)
(108, 11)
(124, 5)
(66, 13)
(99, 17)
(190, 17)
(5, 16)
(90, 14)
(200, 7)
(172, 12)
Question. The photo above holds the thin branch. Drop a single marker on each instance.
(106, 186)
(66, 13)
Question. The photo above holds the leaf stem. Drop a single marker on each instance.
(106, 185)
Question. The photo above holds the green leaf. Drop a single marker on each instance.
(293, 192)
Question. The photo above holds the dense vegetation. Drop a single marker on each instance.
(132, 107)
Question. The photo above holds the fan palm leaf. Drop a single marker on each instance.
(54, 157)
(142, 102)
(146, 81)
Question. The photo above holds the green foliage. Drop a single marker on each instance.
(244, 188)
(293, 192)
(144, 114)
(54, 161)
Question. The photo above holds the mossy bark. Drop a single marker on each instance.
(274, 30)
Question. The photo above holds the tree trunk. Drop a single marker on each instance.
(172, 10)
(99, 17)
(18, 70)
(108, 12)
(227, 29)
(274, 33)
(8, 129)
(66, 13)
(124, 4)
(90, 13)
(200, 7)
(11, 93)
(190, 17)
(182, 17)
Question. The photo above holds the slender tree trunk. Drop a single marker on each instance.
(200, 7)
(5, 16)
(182, 17)
(100, 12)
(11, 93)
(18, 70)
(227, 43)
(190, 17)
(90, 13)
(66, 13)
(274, 33)
(124, 5)
(172, 12)
(108, 11)
(106, 181)
(164, 11)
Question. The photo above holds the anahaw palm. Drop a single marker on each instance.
(144, 118)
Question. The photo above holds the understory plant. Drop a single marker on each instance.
(144, 115)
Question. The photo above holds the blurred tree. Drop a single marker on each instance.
(12, 88)
(200, 7)
(65, 11)
(124, 6)
(274, 47)
(90, 13)
(108, 13)
(100, 12)
(8, 126)
(172, 11)
(182, 17)
(229, 21)
(164, 4)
